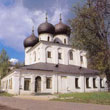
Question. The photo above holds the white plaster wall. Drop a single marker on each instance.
(41, 55)
(58, 86)
(4, 83)
(30, 55)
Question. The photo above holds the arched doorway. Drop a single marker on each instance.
(38, 84)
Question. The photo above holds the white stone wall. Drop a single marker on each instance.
(61, 82)
(30, 56)
(5, 84)
(41, 55)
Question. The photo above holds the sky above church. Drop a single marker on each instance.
(18, 16)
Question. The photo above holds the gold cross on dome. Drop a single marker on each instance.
(60, 17)
(32, 29)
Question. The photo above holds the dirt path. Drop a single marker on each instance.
(28, 104)
(2, 107)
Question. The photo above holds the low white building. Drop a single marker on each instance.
(52, 65)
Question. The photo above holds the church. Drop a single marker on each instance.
(52, 65)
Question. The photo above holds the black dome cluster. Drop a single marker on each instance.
(46, 27)
(59, 28)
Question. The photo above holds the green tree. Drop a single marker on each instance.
(4, 63)
(18, 65)
(90, 31)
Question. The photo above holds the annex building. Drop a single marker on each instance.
(52, 65)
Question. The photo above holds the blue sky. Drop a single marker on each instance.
(18, 16)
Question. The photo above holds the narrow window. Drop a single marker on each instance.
(3, 85)
(101, 86)
(71, 55)
(81, 59)
(48, 38)
(59, 55)
(77, 83)
(94, 83)
(49, 54)
(34, 56)
(87, 83)
(7, 84)
(26, 84)
(10, 83)
(48, 82)
(64, 41)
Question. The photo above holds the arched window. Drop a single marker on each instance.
(94, 83)
(87, 83)
(56, 40)
(77, 83)
(71, 55)
(64, 41)
(101, 83)
(81, 59)
(60, 54)
(49, 53)
(48, 82)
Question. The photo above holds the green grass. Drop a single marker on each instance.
(5, 94)
(95, 97)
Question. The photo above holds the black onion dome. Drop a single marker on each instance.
(46, 28)
(31, 41)
(62, 29)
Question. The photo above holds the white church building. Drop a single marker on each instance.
(52, 65)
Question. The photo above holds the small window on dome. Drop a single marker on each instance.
(57, 41)
(48, 38)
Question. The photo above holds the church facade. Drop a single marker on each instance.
(52, 65)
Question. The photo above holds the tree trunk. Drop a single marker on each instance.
(108, 81)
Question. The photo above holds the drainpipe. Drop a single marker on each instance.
(84, 83)
(57, 76)
(57, 83)
(19, 82)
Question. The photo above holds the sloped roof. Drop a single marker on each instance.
(60, 68)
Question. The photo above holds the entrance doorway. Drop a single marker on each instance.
(38, 84)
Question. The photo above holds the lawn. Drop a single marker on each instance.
(5, 94)
(95, 98)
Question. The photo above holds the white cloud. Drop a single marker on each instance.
(16, 23)
(14, 61)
